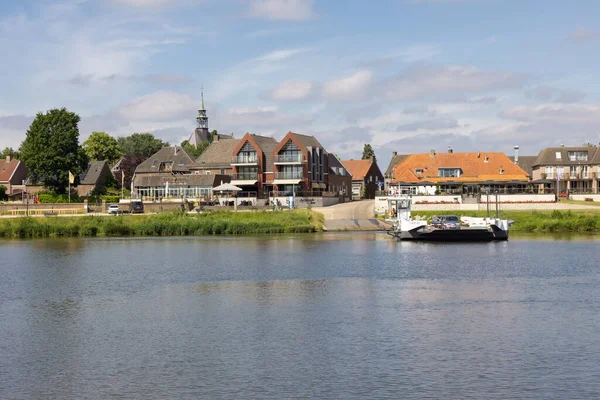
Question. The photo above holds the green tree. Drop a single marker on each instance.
(8, 151)
(3, 192)
(368, 152)
(140, 144)
(51, 149)
(192, 150)
(100, 146)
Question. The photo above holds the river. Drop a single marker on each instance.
(348, 316)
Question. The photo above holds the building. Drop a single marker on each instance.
(97, 175)
(124, 169)
(365, 175)
(339, 180)
(567, 170)
(216, 159)
(300, 166)
(12, 174)
(201, 133)
(389, 172)
(178, 186)
(252, 163)
(464, 173)
(162, 167)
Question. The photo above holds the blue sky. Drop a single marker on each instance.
(404, 75)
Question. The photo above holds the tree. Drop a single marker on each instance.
(192, 150)
(589, 145)
(368, 152)
(3, 192)
(100, 146)
(8, 151)
(140, 144)
(51, 149)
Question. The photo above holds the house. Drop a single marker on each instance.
(252, 164)
(124, 169)
(389, 172)
(452, 172)
(216, 159)
(339, 180)
(567, 170)
(12, 174)
(155, 186)
(167, 162)
(365, 175)
(300, 165)
(97, 175)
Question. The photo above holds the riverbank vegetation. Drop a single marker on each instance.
(168, 224)
(536, 220)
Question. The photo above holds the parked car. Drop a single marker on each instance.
(114, 209)
(450, 222)
(136, 207)
(436, 221)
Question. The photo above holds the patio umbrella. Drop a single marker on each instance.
(229, 188)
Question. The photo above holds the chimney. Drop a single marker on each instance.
(432, 153)
(394, 153)
(485, 158)
(450, 149)
(478, 155)
(562, 145)
(516, 155)
(8, 158)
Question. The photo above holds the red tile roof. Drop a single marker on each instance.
(357, 168)
(474, 168)
(7, 168)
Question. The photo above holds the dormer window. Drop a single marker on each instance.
(486, 159)
(154, 163)
(501, 170)
(419, 171)
(449, 172)
(558, 155)
(577, 155)
(182, 162)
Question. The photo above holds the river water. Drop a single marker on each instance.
(348, 316)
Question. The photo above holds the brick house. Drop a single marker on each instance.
(365, 175)
(252, 164)
(12, 174)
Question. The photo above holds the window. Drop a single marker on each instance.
(154, 163)
(222, 171)
(577, 155)
(549, 171)
(207, 172)
(558, 156)
(573, 170)
(585, 171)
(419, 171)
(449, 172)
(182, 162)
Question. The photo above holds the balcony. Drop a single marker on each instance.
(289, 175)
(289, 159)
(245, 178)
(244, 160)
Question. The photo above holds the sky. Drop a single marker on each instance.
(403, 75)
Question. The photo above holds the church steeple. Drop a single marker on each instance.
(201, 133)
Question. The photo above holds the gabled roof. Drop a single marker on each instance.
(548, 156)
(335, 166)
(525, 162)
(217, 154)
(267, 145)
(473, 166)
(175, 154)
(7, 169)
(397, 159)
(93, 173)
(358, 168)
(308, 141)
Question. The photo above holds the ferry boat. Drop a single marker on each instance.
(444, 229)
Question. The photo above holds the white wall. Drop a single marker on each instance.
(304, 202)
(582, 197)
(433, 199)
(520, 198)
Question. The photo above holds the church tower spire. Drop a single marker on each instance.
(201, 134)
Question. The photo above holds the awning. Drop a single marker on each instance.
(244, 183)
(323, 186)
(287, 181)
(318, 185)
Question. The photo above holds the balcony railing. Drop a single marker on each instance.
(244, 159)
(289, 175)
(245, 176)
(289, 158)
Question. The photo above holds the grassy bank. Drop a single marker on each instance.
(212, 223)
(538, 221)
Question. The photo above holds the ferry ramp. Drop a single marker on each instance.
(352, 216)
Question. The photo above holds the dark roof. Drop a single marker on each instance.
(525, 162)
(548, 156)
(7, 168)
(174, 154)
(267, 145)
(160, 179)
(222, 136)
(217, 154)
(334, 162)
(397, 159)
(308, 141)
(93, 173)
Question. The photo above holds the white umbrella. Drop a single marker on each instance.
(227, 187)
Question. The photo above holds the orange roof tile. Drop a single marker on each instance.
(473, 165)
(357, 168)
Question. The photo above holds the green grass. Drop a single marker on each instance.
(171, 224)
(581, 202)
(537, 221)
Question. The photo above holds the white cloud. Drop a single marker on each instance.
(548, 93)
(560, 113)
(282, 9)
(348, 87)
(422, 82)
(279, 55)
(159, 106)
(292, 90)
